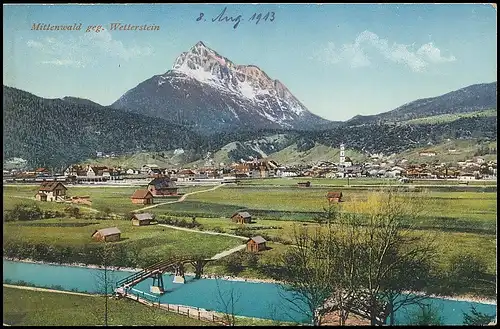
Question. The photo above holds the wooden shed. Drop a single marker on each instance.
(304, 184)
(107, 234)
(142, 197)
(241, 217)
(141, 219)
(334, 196)
(256, 244)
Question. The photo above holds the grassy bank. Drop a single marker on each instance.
(37, 308)
(40, 308)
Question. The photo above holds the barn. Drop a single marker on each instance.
(142, 197)
(256, 244)
(107, 234)
(241, 217)
(334, 196)
(162, 186)
(142, 219)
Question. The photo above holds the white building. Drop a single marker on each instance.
(342, 154)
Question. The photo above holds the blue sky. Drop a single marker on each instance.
(339, 60)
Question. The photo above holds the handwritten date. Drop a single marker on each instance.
(223, 17)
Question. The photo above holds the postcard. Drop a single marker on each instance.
(249, 164)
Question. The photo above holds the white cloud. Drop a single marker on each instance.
(34, 44)
(355, 54)
(433, 54)
(86, 49)
(64, 62)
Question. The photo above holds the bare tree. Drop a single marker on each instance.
(227, 300)
(105, 279)
(362, 262)
(308, 269)
(396, 258)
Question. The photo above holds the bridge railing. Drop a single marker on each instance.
(146, 272)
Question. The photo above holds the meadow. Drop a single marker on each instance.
(461, 221)
(105, 199)
(151, 242)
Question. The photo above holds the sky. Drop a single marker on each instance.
(338, 60)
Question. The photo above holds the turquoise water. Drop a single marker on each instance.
(262, 300)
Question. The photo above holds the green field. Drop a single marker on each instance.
(460, 211)
(355, 182)
(452, 117)
(115, 199)
(152, 240)
(450, 208)
(38, 308)
(462, 221)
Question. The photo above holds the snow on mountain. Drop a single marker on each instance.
(208, 91)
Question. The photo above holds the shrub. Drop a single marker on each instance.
(217, 229)
(72, 211)
(252, 260)
(243, 232)
(107, 211)
(234, 264)
(24, 212)
(464, 269)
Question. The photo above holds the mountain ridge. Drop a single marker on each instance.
(61, 131)
(209, 92)
(480, 96)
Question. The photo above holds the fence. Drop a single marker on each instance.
(189, 311)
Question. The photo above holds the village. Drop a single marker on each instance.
(475, 168)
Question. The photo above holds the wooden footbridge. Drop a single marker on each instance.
(157, 270)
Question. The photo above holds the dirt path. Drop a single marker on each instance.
(203, 232)
(47, 290)
(24, 197)
(182, 198)
(228, 252)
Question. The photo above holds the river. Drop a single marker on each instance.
(260, 300)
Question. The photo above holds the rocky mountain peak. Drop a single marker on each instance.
(233, 94)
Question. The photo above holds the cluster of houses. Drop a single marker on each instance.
(377, 166)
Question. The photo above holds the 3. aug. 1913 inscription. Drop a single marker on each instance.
(237, 19)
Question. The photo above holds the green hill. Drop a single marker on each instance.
(452, 117)
(452, 151)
